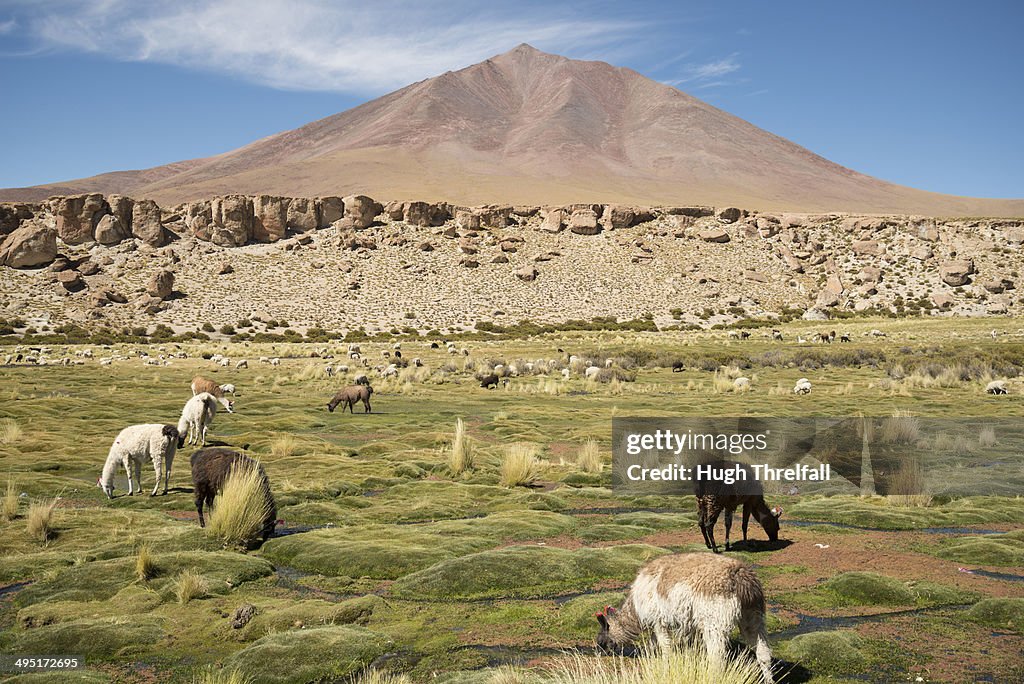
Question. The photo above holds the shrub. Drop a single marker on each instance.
(589, 457)
(40, 520)
(190, 585)
(520, 466)
(10, 431)
(240, 511)
(9, 505)
(460, 458)
(145, 564)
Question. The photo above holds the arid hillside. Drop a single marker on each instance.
(527, 127)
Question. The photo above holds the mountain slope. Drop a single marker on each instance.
(530, 127)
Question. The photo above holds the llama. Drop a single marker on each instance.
(196, 417)
(349, 396)
(211, 467)
(201, 384)
(715, 496)
(686, 596)
(133, 445)
(489, 381)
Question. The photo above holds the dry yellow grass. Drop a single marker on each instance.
(588, 459)
(9, 505)
(901, 428)
(460, 458)
(190, 585)
(10, 431)
(520, 466)
(907, 488)
(240, 511)
(987, 437)
(39, 521)
(283, 446)
(378, 677)
(145, 563)
(691, 666)
(211, 676)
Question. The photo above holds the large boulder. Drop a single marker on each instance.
(303, 214)
(198, 217)
(553, 221)
(713, 235)
(584, 222)
(956, 272)
(30, 245)
(110, 230)
(527, 273)
(493, 216)
(269, 218)
(146, 224)
(360, 211)
(77, 216)
(867, 248)
(730, 214)
(121, 207)
(467, 219)
(12, 214)
(424, 214)
(998, 285)
(232, 220)
(161, 284)
(71, 280)
(618, 216)
(331, 209)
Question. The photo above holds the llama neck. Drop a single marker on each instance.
(107, 478)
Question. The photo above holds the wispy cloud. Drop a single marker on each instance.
(708, 74)
(8, 26)
(323, 45)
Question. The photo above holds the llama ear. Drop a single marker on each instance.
(602, 620)
(609, 611)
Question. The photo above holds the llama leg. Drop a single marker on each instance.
(138, 475)
(167, 468)
(702, 519)
(158, 469)
(716, 642)
(746, 520)
(710, 527)
(664, 640)
(728, 526)
(753, 633)
(128, 472)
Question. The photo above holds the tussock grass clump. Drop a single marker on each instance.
(901, 428)
(39, 520)
(241, 510)
(284, 446)
(987, 437)
(589, 457)
(378, 677)
(211, 676)
(9, 504)
(190, 585)
(145, 563)
(907, 487)
(460, 458)
(520, 467)
(691, 666)
(10, 431)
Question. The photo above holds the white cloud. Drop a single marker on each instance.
(344, 45)
(8, 26)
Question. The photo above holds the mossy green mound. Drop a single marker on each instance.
(833, 652)
(525, 572)
(132, 600)
(1000, 613)
(509, 525)
(98, 580)
(612, 532)
(873, 589)
(28, 566)
(875, 512)
(281, 615)
(659, 521)
(996, 549)
(97, 638)
(394, 553)
(310, 655)
(576, 616)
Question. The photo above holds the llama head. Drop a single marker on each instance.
(107, 489)
(770, 523)
(330, 408)
(609, 638)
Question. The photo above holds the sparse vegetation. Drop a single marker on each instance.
(10, 431)
(240, 511)
(460, 456)
(39, 520)
(145, 563)
(520, 466)
(588, 458)
(190, 585)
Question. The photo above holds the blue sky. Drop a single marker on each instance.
(926, 94)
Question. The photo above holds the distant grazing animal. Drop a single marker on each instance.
(242, 364)
(134, 445)
(195, 419)
(565, 373)
(744, 335)
(996, 387)
(275, 361)
(349, 396)
(398, 354)
(390, 372)
(678, 366)
(715, 496)
(490, 381)
(361, 379)
(777, 335)
(386, 354)
(590, 373)
(201, 384)
(329, 370)
(435, 345)
(210, 469)
(845, 337)
(803, 386)
(741, 384)
(689, 596)
(877, 333)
